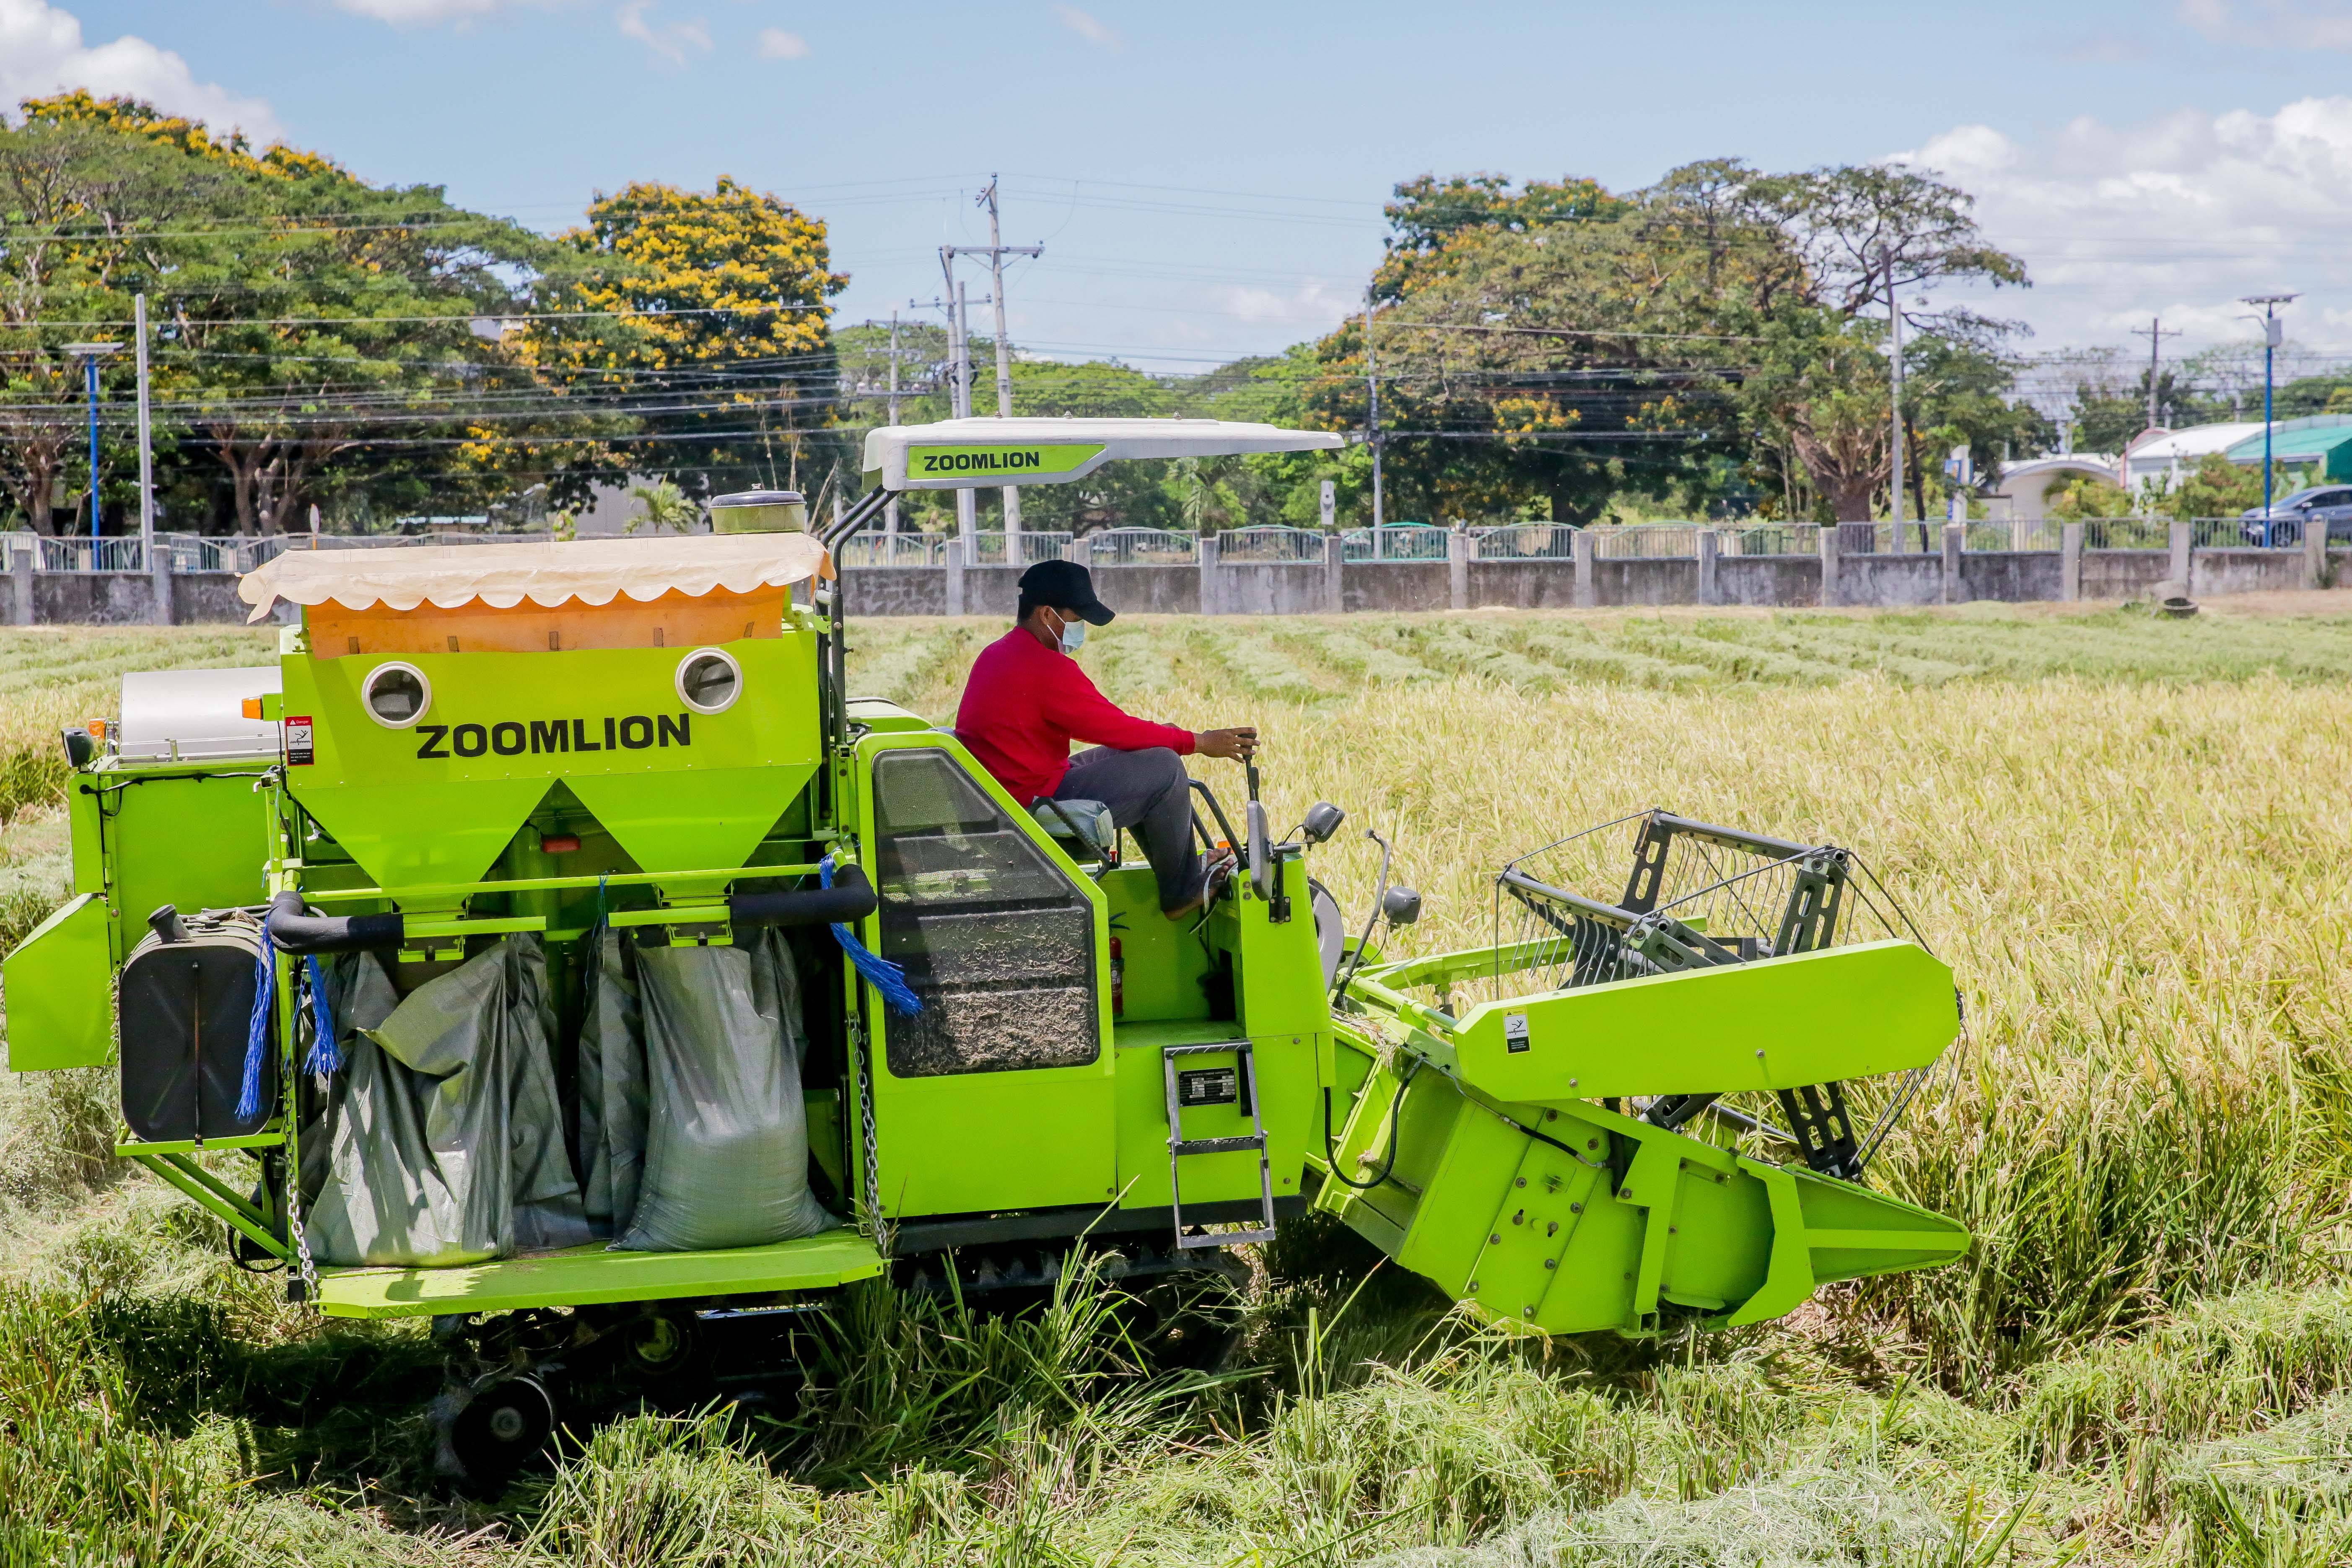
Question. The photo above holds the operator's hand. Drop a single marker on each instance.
(1240, 743)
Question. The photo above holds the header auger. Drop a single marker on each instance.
(550, 944)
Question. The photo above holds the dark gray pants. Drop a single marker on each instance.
(1147, 792)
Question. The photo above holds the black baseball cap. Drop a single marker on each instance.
(1066, 586)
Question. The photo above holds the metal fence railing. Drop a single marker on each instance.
(1265, 544)
(2011, 535)
(86, 555)
(1401, 542)
(1526, 542)
(1272, 544)
(1023, 549)
(2254, 532)
(2234, 534)
(1769, 539)
(1141, 547)
(1909, 538)
(1645, 542)
(2122, 532)
(880, 549)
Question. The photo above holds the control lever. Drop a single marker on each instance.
(1260, 852)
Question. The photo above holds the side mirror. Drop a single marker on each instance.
(1323, 819)
(80, 748)
(1400, 906)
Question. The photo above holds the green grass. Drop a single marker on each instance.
(2126, 833)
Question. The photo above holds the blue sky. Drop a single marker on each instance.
(1207, 177)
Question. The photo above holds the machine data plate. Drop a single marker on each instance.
(1208, 1086)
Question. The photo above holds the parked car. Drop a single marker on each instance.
(2282, 527)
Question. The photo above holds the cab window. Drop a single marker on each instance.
(996, 939)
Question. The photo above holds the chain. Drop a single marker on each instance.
(874, 1224)
(302, 1244)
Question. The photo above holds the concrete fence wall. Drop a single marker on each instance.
(121, 598)
(1841, 575)
(1846, 572)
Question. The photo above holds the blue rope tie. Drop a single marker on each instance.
(256, 1029)
(880, 973)
(326, 1057)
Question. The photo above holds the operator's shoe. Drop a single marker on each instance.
(1220, 875)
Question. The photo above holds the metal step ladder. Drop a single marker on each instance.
(1215, 1086)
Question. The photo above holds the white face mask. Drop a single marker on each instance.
(1074, 635)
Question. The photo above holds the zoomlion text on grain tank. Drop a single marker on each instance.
(550, 945)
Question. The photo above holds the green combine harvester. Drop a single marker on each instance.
(550, 944)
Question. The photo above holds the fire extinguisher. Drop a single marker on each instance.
(1117, 980)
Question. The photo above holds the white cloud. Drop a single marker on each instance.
(2177, 217)
(1087, 27)
(2272, 23)
(400, 12)
(1313, 303)
(775, 44)
(670, 40)
(41, 51)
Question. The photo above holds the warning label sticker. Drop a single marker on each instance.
(1515, 1032)
(298, 741)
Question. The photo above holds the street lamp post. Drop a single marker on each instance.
(2273, 334)
(89, 354)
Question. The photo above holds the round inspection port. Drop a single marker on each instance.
(709, 680)
(396, 695)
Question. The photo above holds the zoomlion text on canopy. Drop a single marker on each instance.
(977, 462)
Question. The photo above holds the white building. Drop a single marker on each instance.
(2023, 486)
(2169, 457)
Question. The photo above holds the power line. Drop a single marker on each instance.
(445, 318)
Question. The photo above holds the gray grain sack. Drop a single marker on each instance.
(726, 1161)
(611, 1080)
(443, 1136)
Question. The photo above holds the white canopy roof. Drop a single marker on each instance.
(986, 454)
(592, 571)
(2159, 454)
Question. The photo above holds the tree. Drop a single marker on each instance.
(1429, 214)
(666, 509)
(1710, 338)
(2074, 497)
(1819, 391)
(85, 213)
(311, 328)
(2216, 488)
(1862, 235)
(1567, 363)
(704, 315)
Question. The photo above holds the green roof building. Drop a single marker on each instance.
(2322, 444)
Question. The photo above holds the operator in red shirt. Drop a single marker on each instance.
(1028, 700)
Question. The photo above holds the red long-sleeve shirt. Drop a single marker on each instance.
(1025, 702)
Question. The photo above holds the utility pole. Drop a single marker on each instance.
(1894, 342)
(996, 250)
(89, 354)
(891, 509)
(146, 444)
(2154, 334)
(967, 503)
(2274, 334)
(1372, 383)
(953, 307)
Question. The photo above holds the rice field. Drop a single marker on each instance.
(2129, 836)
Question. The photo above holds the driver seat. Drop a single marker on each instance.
(1082, 827)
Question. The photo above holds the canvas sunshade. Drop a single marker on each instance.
(592, 571)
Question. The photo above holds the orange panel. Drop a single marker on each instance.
(674, 620)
